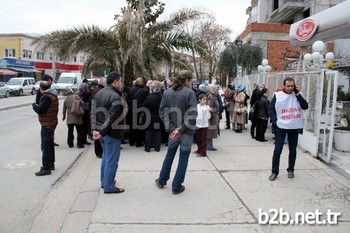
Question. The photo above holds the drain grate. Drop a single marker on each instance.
(20, 164)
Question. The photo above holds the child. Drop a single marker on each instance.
(202, 123)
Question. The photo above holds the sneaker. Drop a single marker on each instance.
(272, 177)
(290, 175)
(43, 172)
(159, 184)
(182, 188)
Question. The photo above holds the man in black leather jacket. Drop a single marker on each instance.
(108, 124)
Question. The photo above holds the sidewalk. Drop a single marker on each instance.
(223, 193)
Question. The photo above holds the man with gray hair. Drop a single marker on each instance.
(178, 111)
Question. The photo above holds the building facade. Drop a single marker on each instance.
(269, 24)
(33, 60)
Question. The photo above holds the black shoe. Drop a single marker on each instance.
(159, 184)
(212, 149)
(55, 144)
(52, 167)
(87, 143)
(43, 172)
(70, 146)
(147, 150)
(80, 146)
(182, 188)
(139, 145)
(227, 128)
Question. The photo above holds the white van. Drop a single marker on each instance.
(72, 80)
(20, 86)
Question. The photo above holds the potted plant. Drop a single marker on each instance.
(342, 133)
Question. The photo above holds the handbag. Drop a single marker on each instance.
(240, 109)
(76, 107)
(142, 119)
(251, 113)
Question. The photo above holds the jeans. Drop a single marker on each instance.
(280, 135)
(47, 147)
(210, 145)
(185, 143)
(109, 164)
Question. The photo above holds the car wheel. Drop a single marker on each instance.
(7, 94)
(33, 91)
(20, 92)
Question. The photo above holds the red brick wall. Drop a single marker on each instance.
(265, 27)
(277, 51)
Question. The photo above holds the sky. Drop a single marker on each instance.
(43, 16)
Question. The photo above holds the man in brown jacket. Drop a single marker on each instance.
(47, 111)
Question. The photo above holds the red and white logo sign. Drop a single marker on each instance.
(306, 30)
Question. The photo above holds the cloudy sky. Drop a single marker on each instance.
(42, 16)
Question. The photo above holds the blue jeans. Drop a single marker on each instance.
(109, 164)
(185, 143)
(47, 147)
(280, 135)
(210, 145)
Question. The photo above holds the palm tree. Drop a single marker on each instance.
(130, 46)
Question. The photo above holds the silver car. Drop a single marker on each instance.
(4, 90)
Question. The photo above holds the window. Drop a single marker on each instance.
(75, 58)
(10, 53)
(82, 58)
(27, 53)
(40, 56)
(51, 56)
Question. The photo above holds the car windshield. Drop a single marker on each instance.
(65, 80)
(14, 82)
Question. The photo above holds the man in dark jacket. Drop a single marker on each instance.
(47, 110)
(286, 112)
(178, 111)
(108, 124)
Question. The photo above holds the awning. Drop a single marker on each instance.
(8, 72)
(21, 69)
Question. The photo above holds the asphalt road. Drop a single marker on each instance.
(20, 157)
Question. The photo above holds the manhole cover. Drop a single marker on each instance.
(20, 164)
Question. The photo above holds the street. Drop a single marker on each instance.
(20, 157)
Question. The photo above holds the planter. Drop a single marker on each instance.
(342, 139)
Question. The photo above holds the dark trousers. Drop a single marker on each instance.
(47, 147)
(253, 127)
(261, 126)
(98, 148)
(136, 136)
(228, 119)
(153, 138)
(202, 141)
(70, 138)
(86, 125)
(280, 135)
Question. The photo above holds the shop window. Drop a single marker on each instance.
(26, 53)
(40, 56)
(10, 53)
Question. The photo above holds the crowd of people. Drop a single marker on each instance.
(175, 113)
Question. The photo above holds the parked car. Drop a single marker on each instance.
(4, 90)
(37, 85)
(20, 86)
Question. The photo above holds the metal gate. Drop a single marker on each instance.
(319, 88)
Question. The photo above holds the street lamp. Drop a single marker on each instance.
(238, 44)
(315, 61)
(264, 68)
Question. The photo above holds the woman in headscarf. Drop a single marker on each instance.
(240, 108)
(153, 131)
(213, 129)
